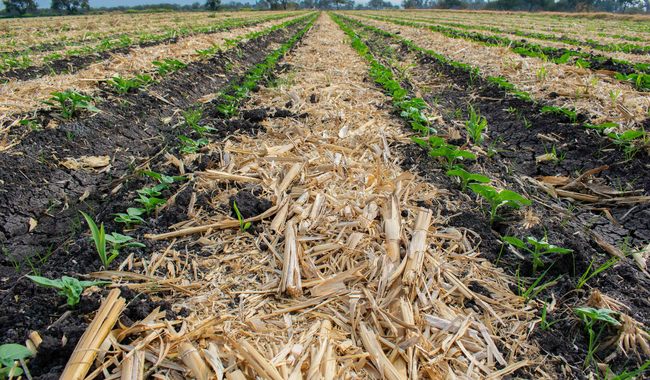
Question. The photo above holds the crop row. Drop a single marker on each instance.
(27, 95)
(600, 99)
(631, 141)
(26, 60)
(45, 34)
(638, 74)
(629, 30)
(625, 47)
(538, 249)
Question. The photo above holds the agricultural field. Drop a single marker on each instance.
(325, 195)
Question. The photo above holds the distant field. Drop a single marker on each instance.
(325, 195)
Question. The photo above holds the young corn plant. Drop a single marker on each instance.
(592, 272)
(595, 321)
(499, 198)
(243, 226)
(536, 247)
(116, 240)
(475, 126)
(467, 177)
(69, 287)
(10, 356)
(69, 102)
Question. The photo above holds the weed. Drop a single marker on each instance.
(192, 118)
(595, 320)
(10, 355)
(163, 178)
(589, 273)
(69, 101)
(498, 199)
(475, 126)
(243, 226)
(69, 287)
(537, 248)
(467, 177)
(541, 74)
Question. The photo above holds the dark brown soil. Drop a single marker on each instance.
(514, 158)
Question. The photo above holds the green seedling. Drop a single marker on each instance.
(467, 177)
(163, 178)
(595, 320)
(537, 248)
(192, 118)
(123, 85)
(149, 197)
(630, 141)
(528, 292)
(191, 146)
(69, 102)
(571, 115)
(168, 65)
(100, 238)
(544, 324)
(439, 148)
(498, 199)
(69, 287)
(640, 80)
(591, 273)
(475, 126)
(10, 356)
(132, 216)
(243, 226)
(629, 375)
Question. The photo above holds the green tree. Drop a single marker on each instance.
(70, 6)
(19, 7)
(213, 5)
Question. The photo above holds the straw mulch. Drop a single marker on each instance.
(346, 276)
(582, 89)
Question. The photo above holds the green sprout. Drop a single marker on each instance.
(537, 248)
(133, 215)
(168, 65)
(570, 114)
(163, 179)
(123, 85)
(475, 126)
(117, 241)
(467, 177)
(149, 197)
(498, 199)
(10, 356)
(595, 320)
(243, 226)
(591, 273)
(191, 146)
(69, 287)
(192, 118)
(69, 102)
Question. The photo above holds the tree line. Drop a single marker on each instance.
(29, 7)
